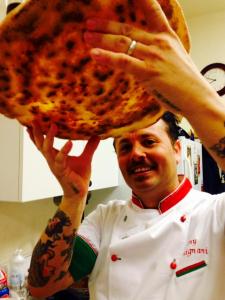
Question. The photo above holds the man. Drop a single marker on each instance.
(167, 242)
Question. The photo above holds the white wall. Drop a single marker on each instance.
(208, 38)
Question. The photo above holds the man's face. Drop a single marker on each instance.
(148, 160)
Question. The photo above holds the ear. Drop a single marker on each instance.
(177, 150)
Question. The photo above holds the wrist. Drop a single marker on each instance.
(73, 205)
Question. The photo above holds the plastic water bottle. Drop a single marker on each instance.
(17, 271)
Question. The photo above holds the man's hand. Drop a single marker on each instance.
(72, 172)
(159, 61)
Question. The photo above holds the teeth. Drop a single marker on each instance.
(139, 170)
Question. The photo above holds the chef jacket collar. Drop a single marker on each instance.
(170, 200)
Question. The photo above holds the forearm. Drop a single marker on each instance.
(205, 111)
(209, 124)
(51, 257)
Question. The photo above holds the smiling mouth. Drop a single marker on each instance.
(141, 170)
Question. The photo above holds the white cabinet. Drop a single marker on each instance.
(24, 174)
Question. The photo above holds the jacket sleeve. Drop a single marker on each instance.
(86, 246)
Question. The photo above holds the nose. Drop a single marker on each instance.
(138, 153)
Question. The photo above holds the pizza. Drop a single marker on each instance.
(47, 74)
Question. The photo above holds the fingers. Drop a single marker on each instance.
(61, 157)
(36, 135)
(120, 44)
(30, 132)
(49, 140)
(115, 28)
(131, 64)
(90, 148)
(154, 14)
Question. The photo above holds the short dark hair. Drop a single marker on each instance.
(172, 124)
(173, 128)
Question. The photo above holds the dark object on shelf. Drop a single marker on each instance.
(213, 181)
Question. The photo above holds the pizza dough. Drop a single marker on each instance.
(47, 74)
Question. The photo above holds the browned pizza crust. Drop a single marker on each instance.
(47, 74)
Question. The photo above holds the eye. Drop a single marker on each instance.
(148, 142)
(124, 148)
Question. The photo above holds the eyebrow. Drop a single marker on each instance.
(141, 136)
(123, 140)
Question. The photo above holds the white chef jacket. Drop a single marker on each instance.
(171, 253)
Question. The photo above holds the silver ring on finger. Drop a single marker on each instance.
(132, 47)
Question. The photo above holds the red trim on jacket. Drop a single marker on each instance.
(171, 200)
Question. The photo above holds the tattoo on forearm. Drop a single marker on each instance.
(42, 268)
(61, 275)
(67, 253)
(165, 100)
(219, 148)
(75, 189)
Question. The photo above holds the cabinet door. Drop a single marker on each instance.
(9, 159)
(39, 182)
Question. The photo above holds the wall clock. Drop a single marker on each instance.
(215, 75)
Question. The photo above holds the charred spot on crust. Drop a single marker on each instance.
(57, 85)
(74, 17)
(152, 108)
(2, 104)
(86, 2)
(64, 64)
(60, 75)
(83, 84)
(71, 109)
(101, 112)
(7, 54)
(42, 84)
(46, 119)
(123, 85)
(5, 88)
(4, 78)
(28, 24)
(79, 101)
(29, 54)
(119, 9)
(27, 94)
(61, 124)
(70, 45)
(102, 76)
(34, 110)
(99, 91)
(72, 84)
(57, 30)
(60, 5)
(51, 54)
(41, 41)
(122, 19)
(85, 60)
(133, 16)
(143, 23)
(51, 94)
(2, 68)
(78, 67)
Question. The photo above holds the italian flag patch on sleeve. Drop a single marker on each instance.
(191, 268)
(83, 259)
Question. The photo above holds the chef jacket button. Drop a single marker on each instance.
(183, 218)
(114, 257)
(173, 265)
